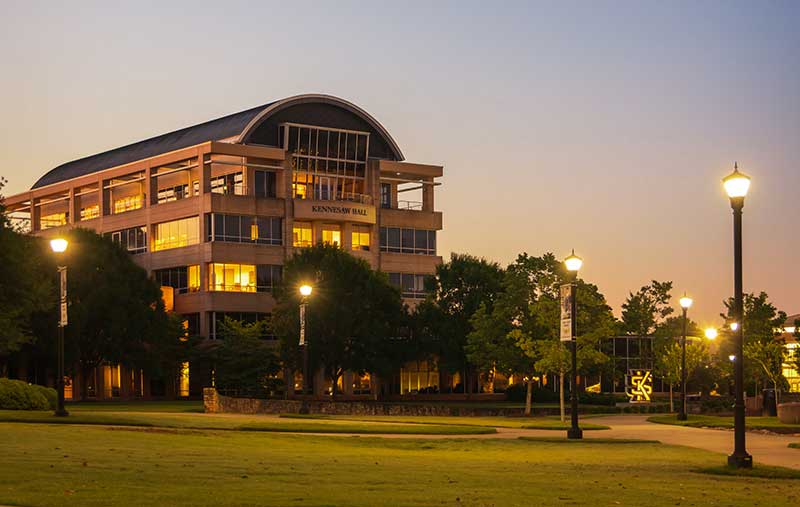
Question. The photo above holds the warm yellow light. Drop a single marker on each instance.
(305, 290)
(573, 262)
(686, 302)
(734, 326)
(711, 333)
(736, 184)
(59, 245)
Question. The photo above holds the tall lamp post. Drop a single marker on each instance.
(686, 303)
(59, 246)
(305, 291)
(574, 263)
(736, 186)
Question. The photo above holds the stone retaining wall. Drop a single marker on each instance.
(215, 403)
(789, 413)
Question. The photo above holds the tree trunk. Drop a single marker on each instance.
(671, 402)
(85, 383)
(528, 396)
(561, 395)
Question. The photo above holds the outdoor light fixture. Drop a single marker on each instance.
(734, 326)
(573, 262)
(732, 357)
(59, 245)
(736, 184)
(686, 303)
(305, 290)
(711, 333)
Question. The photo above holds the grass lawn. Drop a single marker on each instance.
(235, 422)
(49, 465)
(136, 406)
(712, 421)
(531, 423)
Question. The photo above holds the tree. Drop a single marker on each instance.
(243, 360)
(26, 287)
(116, 313)
(645, 310)
(353, 317)
(668, 363)
(456, 292)
(768, 355)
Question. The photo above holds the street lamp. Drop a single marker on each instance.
(686, 303)
(736, 186)
(305, 291)
(573, 264)
(59, 246)
(711, 333)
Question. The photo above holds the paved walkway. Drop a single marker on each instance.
(767, 449)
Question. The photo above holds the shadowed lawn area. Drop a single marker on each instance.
(136, 406)
(48, 465)
(711, 421)
(235, 422)
(537, 423)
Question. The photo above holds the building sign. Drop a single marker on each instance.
(639, 385)
(566, 312)
(334, 210)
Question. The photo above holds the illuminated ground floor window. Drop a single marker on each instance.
(183, 387)
(419, 377)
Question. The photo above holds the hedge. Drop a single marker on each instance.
(19, 395)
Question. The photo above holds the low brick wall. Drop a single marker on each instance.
(215, 403)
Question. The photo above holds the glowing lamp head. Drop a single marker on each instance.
(734, 326)
(686, 302)
(59, 245)
(711, 333)
(305, 290)
(573, 262)
(732, 357)
(736, 184)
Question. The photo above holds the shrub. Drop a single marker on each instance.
(19, 395)
(50, 394)
(516, 393)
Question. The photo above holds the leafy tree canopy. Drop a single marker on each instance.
(644, 310)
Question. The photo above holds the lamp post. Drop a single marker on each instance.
(711, 333)
(305, 291)
(59, 246)
(736, 186)
(686, 303)
(574, 263)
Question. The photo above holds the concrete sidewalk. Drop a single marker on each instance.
(765, 449)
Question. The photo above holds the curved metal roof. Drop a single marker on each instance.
(238, 125)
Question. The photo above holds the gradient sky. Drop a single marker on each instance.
(600, 126)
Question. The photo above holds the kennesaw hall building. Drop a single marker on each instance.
(212, 212)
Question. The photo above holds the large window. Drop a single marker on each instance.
(411, 285)
(228, 184)
(134, 239)
(176, 234)
(244, 229)
(403, 240)
(360, 237)
(302, 234)
(386, 195)
(228, 277)
(265, 184)
(332, 235)
(182, 278)
(328, 164)
(216, 319)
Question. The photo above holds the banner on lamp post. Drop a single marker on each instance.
(302, 324)
(566, 312)
(62, 271)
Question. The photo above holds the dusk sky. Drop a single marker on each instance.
(604, 127)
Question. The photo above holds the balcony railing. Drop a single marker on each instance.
(339, 196)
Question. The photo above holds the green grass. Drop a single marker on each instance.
(712, 421)
(98, 466)
(234, 422)
(537, 423)
(795, 445)
(761, 471)
(137, 406)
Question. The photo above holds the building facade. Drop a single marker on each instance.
(213, 211)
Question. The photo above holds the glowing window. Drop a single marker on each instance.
(176, 234)
(232, 277)
(360, 237)
(90, 212)
(301, 234)
(184, 380)
(53, 220)
(332, 235)
(128, 203)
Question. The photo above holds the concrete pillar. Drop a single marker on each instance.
(427, 196)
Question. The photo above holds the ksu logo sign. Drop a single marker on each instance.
(639, 386)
